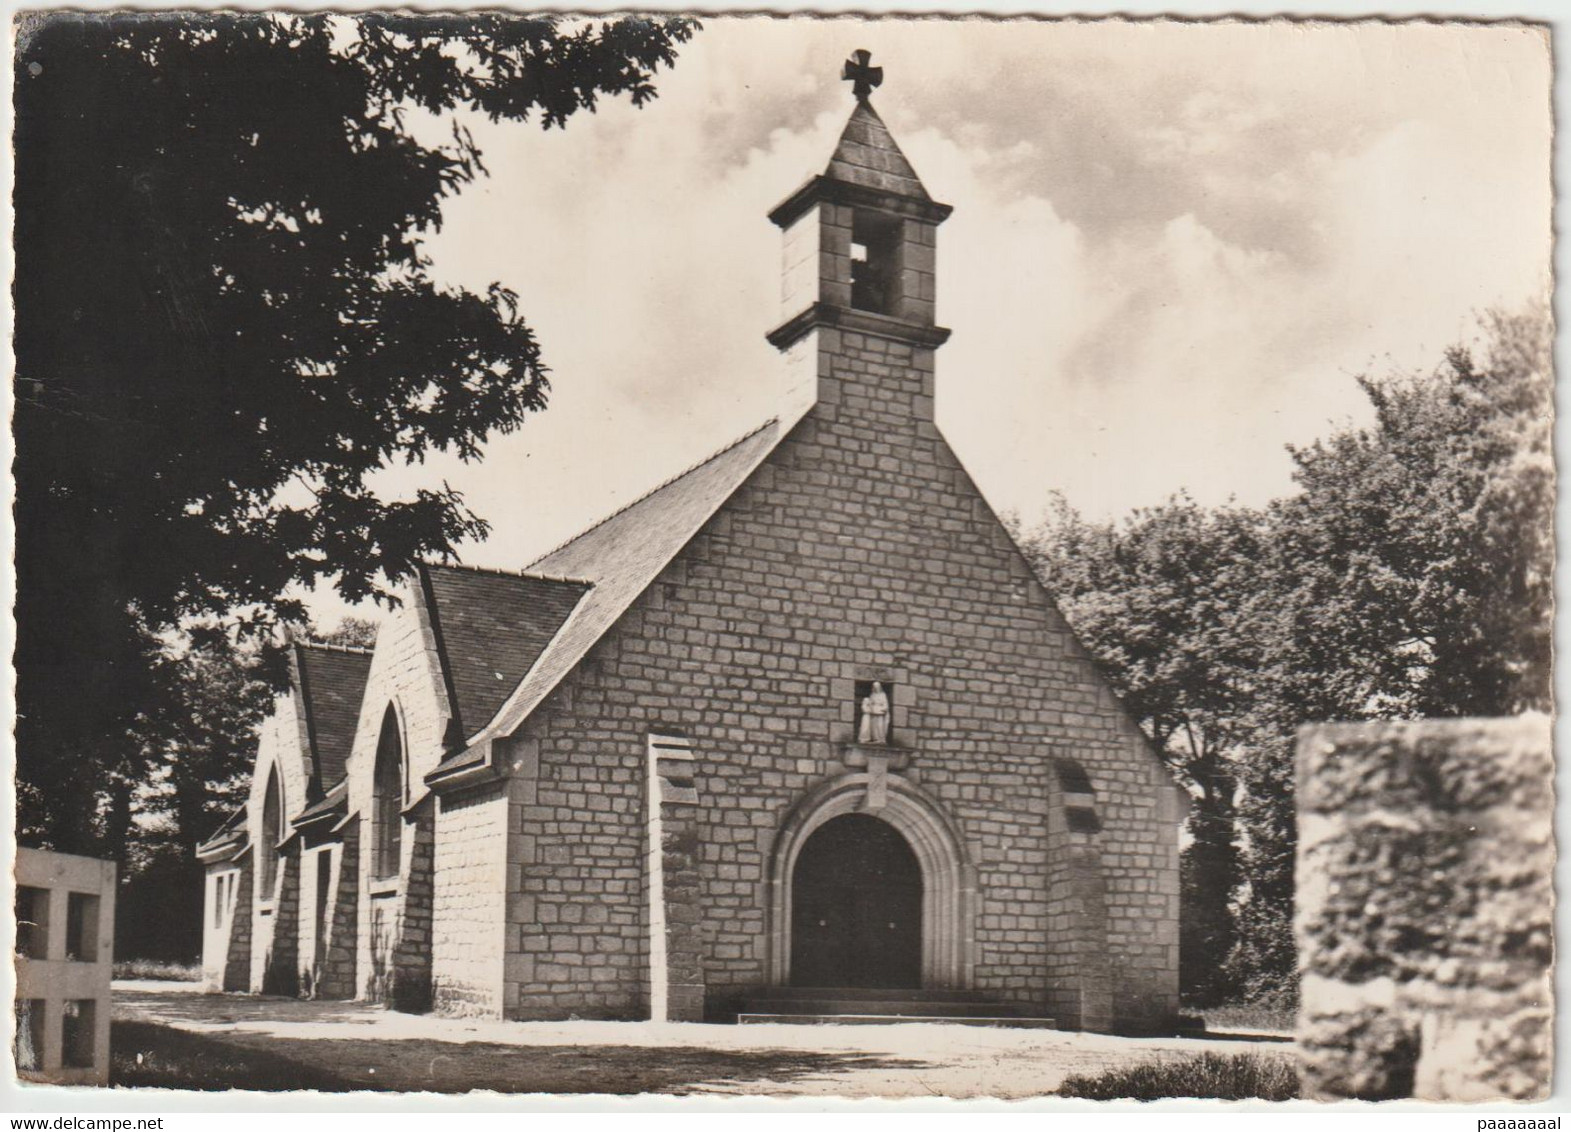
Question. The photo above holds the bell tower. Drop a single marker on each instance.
(859, 242)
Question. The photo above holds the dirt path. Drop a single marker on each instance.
(218, 1041)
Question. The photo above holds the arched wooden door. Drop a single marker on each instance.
(856, 907)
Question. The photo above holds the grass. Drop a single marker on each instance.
(1212, 1076)
(157, 969)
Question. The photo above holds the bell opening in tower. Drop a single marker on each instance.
(875, 242)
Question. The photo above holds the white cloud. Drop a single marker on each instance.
(1172, 245)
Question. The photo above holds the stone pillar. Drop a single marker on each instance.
(237, 958)
(676, 957)
(280, 962)
(336, 979)
(411, 959)
(1425, 909)
(1077, 831)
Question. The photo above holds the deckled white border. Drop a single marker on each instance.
(664, 1111)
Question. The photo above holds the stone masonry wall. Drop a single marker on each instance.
(405, 673)
(411, 952)
(306, 948)
(327, 964)
(237, 963)
(1425, 909)
(273, 925)
(860, 547)
(469, 909)
(226, 943)
(336, 979)
(275, 946)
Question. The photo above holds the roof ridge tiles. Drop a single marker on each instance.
(661, 486)
(510, 573)
(329, 646)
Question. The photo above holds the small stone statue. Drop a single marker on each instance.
(875, 717)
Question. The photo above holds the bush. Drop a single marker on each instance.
(1271, 1015)
(157, 969)
(1214, 1076)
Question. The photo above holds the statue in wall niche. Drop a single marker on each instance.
(875, 716)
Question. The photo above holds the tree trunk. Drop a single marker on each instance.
(1210, 874)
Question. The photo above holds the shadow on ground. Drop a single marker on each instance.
(147, 1055)
(225, 1008)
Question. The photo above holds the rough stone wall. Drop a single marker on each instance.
(405, 672)
(398, 927)
(275, 950)
(469, 912)
(274, 944)
(226, 947)
(860, 547)
(1425, 909)
(674, 884)
(237, 961)
(411, 953)
(306, 936)
(336, 978)
(327, 964)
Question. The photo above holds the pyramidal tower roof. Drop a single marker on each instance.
(868, 168)
(869, 156)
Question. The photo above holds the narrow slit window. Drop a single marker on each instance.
(29, 1044)
(81, 927)
(220, 899)
(32, 922)
(76, 1033)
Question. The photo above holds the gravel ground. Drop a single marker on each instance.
(196, 1040)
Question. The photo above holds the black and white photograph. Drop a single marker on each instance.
(658, 556)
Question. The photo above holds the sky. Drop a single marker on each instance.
(1173, 247)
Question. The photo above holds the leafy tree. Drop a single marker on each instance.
(1160, 602)
(353, 632)
(1410, 575)
(1416, 563)
(226, 325)
(196, 745)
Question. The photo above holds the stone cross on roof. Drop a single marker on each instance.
(862, 76)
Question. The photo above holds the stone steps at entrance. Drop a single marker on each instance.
(867, 994)
(976, 1008)
(871, 1006)
(889, 1019)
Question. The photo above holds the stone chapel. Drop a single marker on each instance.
(796, 734)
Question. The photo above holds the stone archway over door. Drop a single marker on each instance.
(856, 907)
(948, 880)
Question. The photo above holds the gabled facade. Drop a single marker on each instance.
(274, 911)
(799, 721)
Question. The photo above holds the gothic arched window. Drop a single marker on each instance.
(387, 800)
(272, 833)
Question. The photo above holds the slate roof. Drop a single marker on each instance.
(620, 556)
(332, 684)
(334, 803)
(868, 155)
(492, 627)
(228, 841)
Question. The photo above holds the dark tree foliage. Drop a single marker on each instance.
(1410, 576)
(352, 632)
(193, 755)
(225, 324)
(1160, 600)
